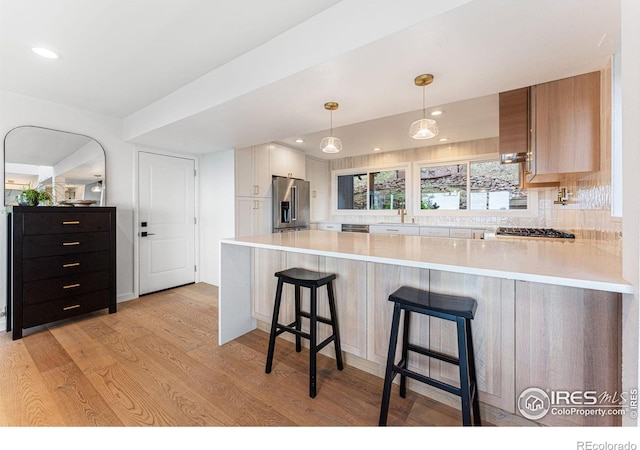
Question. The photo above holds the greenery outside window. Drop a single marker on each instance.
(372, 190)
(475, 185)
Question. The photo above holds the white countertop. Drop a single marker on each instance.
(565, 263)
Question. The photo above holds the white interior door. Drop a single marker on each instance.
(166, 189)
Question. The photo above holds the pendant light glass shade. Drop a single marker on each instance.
(331, 144)
(423, 128)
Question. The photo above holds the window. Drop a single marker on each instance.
(472, 185)
(372, 190)
(443, 187)
(387, 189)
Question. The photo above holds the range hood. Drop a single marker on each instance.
(512, 158)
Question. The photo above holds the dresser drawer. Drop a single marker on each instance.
(65, 222)
(64, 265)
(44, 290)
(41, 313)
(64, 244)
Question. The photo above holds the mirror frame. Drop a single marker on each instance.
(103, 201)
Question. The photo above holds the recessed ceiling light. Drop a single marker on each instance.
(444, 139)
(299, 141)
(436, 113)
(45, 53)
(377, 149)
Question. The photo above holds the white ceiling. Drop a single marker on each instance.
(205, 75)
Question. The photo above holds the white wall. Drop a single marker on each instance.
(17, 110)
(217, 210)
(630, 92)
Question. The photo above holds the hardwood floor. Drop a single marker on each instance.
(156, 362)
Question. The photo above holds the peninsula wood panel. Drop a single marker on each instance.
(265, 263)
(383, 280)
(350, 288)
(568, 339)
(493, 335)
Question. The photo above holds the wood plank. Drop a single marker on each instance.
(142, 367)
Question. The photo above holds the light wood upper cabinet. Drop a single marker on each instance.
(514, 121)
(566, 126)
(287, 162)
(253, 177)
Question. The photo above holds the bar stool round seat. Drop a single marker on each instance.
(447, 307)
(303, 278)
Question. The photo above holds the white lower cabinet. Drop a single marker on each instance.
(407, 230)
(461, 233)
(253, 216)
(434, 231)
(329, 226)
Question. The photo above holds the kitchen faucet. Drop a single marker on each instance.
(402, 212)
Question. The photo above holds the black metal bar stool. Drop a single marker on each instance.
(448, 307)
(312, 280)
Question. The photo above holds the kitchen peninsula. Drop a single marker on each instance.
(549, 313)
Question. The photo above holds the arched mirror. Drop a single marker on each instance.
(70, 167)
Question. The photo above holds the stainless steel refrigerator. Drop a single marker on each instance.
(291, 198)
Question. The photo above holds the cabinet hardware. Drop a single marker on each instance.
(392, 229)
(71, 264)
(71, 286)
(71, 222)
(71, 243)
(67, 308)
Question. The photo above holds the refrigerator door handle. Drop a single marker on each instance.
(294, 203)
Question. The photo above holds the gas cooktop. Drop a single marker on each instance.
(533, 232)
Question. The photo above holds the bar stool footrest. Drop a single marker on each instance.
(427, 380)
(318, 318)
(433, 354)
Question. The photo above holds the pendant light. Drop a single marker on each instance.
(331, 144)
(98, 186)
(423, 128)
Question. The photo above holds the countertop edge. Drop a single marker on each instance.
(518, 276)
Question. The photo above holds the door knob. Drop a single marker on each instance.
(145, 234)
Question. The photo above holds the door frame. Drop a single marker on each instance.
(136, 210)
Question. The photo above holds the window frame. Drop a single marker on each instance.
(532, 194)
(406, 166)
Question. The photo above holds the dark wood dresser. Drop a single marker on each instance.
(62, 264)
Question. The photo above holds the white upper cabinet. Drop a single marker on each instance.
(253, 176)
(287, 162)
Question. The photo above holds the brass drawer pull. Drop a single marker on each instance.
(67, 308)
(71, 243)
(71, 265)
(71, 222)
(70, 286)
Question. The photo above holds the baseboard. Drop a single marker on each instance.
(126, 297)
